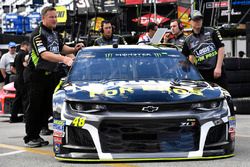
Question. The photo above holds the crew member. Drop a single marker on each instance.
(205, 49)
(176, 36)
(108, 38)
(39, 74)
(20, 101)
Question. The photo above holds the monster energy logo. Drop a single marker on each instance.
(108, 55)
(157, 54)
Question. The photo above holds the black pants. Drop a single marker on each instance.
(21, 100)
(208, 75)
(7, 79)
(40, 91)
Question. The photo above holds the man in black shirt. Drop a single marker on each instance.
(176, 36)
(108, 38)
(205, 49)
(20, 101)
(40, 74)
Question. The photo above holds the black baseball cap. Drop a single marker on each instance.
(196, 15)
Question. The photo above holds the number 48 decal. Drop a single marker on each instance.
(79, 121)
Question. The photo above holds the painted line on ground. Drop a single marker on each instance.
(31, 150)
(12, 153)
(49, 153)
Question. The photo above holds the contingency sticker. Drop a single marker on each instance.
(232, 127)
(57, 133)
(57, 148)
(57, 140)
(58, 125)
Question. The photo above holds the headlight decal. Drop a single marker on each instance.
(207, 105)
(86, 107)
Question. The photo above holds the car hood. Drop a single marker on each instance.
(142, 91)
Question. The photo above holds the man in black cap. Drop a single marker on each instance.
(205, 49)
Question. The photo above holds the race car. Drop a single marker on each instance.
(140, 103)
(7, 95)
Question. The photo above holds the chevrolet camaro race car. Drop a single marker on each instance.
(135, 103)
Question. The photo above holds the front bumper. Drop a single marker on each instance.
(144, 136)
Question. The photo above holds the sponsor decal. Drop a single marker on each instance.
(39, 44)
(78, 121)
(41, 49)
(57, 148)
(170, 89)
(145, 19)
(232, 126)
(204, 50)
(59, 122)
(58, 125)
(57, 133)
(112, 92)
(96, 23)
(57, 140)
(188, 123)
(232, 121)
(38, 41)
(61, 12)
(110, 55)
(222, 4)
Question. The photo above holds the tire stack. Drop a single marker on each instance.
(238, 75)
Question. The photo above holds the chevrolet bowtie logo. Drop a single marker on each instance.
(150, 109)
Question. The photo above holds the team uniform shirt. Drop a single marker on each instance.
(144, 39)
(6, 61)
(179, 40)
(115, 39)
(44, 39)
(204, 46)
(18, 64)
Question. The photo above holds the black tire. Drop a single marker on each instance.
(232, 63)
(242, 105)
(242, 76)
(239, 90)
(244, 63)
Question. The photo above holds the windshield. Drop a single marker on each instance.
(132, 64)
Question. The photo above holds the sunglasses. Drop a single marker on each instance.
(13, 47)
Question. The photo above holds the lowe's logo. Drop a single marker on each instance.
(150, 109)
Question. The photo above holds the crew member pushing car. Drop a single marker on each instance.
(45, 55)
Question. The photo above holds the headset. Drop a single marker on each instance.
(180, 25)
(106, 22)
